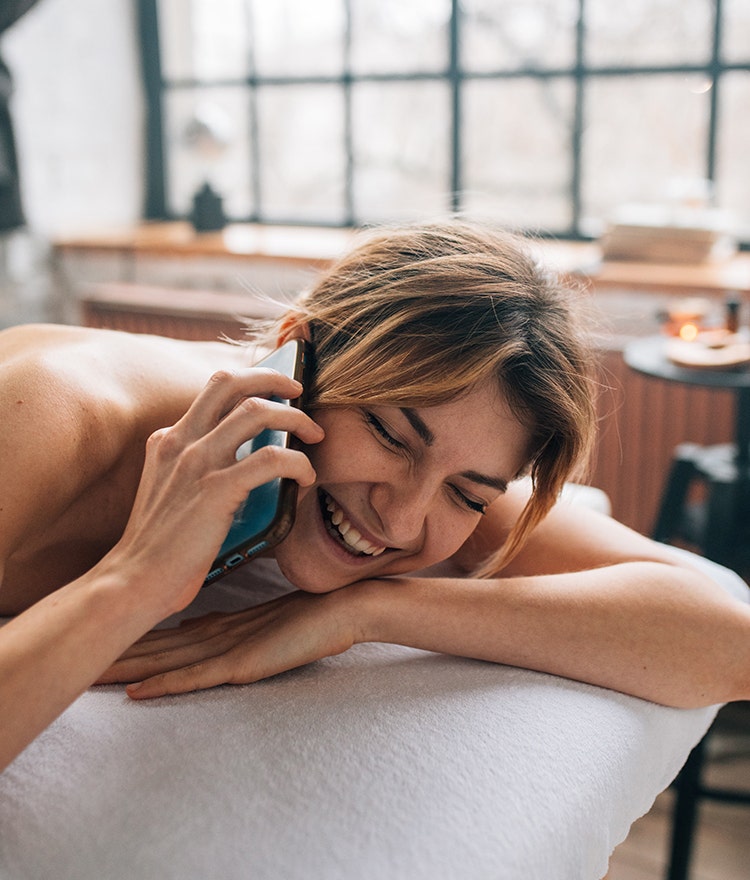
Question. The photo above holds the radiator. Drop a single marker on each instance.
(181, 314)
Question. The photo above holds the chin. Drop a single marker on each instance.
(299, 573)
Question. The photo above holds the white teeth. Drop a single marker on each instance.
(352, 538)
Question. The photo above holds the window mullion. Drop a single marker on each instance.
(156, 169)
(253, 119)
(716, 79)
(455, 75)
(349, 171)
(576, 145)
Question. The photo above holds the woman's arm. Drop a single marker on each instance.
(622, 614)
(656, 631)
(190, 487)
(52, 652)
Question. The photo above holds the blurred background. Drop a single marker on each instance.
(546, 115)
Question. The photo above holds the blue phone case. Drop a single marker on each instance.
(267, 514)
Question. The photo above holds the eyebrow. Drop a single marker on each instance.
(417, 422)
(485, 480)
(426, 435)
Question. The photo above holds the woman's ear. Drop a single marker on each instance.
(293, 326)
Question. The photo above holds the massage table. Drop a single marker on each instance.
(383, 762)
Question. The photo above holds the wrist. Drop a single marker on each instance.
(152, 588)
(125, 595)
(109, 601)
(371, 606)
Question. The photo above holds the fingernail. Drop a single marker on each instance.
(134, 687)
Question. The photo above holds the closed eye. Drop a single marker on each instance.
(380, 429)
(475, 506)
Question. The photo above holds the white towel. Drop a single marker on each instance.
(384, 762)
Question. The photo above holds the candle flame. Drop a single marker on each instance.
(689, 332)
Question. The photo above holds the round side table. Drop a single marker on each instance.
(721, 526)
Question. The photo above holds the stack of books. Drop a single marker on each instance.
(653, 234)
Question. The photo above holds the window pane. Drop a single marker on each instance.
(207, 140)
(393, 35)
(302, 158)
(516, 151)
(642, 133)
(401, 136)
(517, 34)
(298, 37)
(735, 34)
(733, 167)
(204, 39)
(648, 31)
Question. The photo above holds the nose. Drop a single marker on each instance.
(402, 508)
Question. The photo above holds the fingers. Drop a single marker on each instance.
(190, 625)
(179, 669)
(157, 662)
(232, 410)
(237, 648)
(198, 676)
(194, 630)
(198, 639)
(226, 389)
(251, 416)
(270, 462)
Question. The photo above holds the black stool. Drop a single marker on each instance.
(690, 790)
(717, 523)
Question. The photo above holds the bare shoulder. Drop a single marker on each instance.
(108, 369)
(70, 378)
(48, 373)
(75, 402)
(60, 425)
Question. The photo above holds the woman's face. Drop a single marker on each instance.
(398, 489)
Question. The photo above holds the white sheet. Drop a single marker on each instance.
(385, 762)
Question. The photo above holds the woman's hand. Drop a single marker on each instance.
(192, 483)
(237, 648)
(190, 487)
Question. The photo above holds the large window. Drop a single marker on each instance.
(545, 115)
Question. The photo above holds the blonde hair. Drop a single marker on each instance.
(418, 315)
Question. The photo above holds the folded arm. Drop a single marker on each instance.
(587, 599)
(649, 629)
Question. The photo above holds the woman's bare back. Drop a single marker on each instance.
(76, 408)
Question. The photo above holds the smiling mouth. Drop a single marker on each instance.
(343, 532)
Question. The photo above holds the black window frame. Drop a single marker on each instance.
(156, 206)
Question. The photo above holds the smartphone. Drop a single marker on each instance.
(267, 514)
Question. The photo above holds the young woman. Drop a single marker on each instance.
(448, 365)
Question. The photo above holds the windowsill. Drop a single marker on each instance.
(318, 246)
(296, 244)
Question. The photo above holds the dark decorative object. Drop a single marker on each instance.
(207, 135)
(208, 210)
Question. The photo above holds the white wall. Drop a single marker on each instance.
(79, 114)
